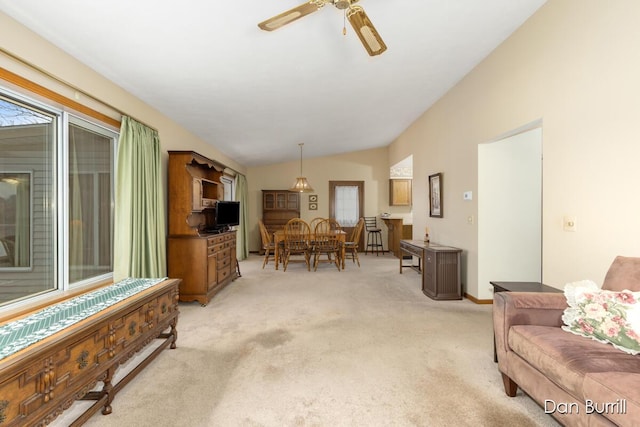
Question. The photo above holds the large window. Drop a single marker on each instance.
(90, 207)
(56, 199)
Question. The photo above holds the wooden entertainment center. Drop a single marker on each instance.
(201, 255)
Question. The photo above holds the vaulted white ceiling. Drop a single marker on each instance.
(255, 95)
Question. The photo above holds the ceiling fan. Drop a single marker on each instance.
(355, 14)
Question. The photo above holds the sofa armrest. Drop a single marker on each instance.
(524, 308)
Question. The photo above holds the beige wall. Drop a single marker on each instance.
(370, 166)
(26, 45)
(573, 66)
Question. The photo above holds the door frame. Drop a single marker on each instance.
(510, 233)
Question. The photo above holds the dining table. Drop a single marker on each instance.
(278, 238)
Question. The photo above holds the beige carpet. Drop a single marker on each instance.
(361, 347)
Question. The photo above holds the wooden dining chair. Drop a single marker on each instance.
(296, 241)
(314, 222)
(326, 241)
(351, 245)
(312, 227)
(268, 245)
(334, 224)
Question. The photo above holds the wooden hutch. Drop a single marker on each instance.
(203, 257)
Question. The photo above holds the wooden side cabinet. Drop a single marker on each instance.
(206, 264)
(397, 231)
(441, 278)
(40, 381)
(399, 192)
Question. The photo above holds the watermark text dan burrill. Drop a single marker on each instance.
(589, 407)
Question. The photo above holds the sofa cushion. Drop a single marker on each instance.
(624, 273)
(616, 393)
(604, 316)
(566, 358)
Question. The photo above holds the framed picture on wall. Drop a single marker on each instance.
(435, 195)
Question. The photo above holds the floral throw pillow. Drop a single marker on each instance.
(605, 316)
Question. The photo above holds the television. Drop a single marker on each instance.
(227, 214)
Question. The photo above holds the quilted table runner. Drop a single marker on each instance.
(17, 335)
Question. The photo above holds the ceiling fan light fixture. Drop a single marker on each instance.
(301, 185)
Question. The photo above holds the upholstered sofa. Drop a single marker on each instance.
(577, 380)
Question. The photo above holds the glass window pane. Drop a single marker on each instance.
(347, 205)
(90, 201)
(27, 197)
(15, 219)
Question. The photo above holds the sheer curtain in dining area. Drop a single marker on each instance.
(346, 205)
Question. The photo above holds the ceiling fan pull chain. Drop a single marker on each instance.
(344, 23)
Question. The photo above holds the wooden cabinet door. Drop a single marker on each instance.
(293, 201)
(429, 277)
(268, 200)
(212, 271)
(400, 192)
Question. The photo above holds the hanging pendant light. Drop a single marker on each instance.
(301, 185)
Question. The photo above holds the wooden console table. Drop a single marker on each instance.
(412, 248)
(441, 277)
(45, 367)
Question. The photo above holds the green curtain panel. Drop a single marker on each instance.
(242, 238)
(140, 231)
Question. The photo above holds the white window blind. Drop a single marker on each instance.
(347, 205)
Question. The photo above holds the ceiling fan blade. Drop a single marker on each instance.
(366, 31)
(291, 15)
